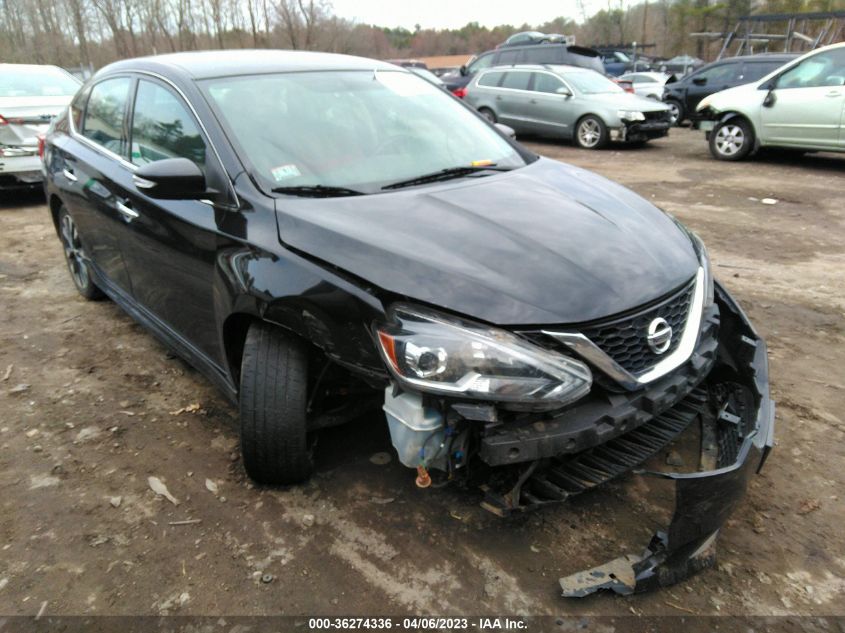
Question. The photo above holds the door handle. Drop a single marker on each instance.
(532, 101)
(67, 173)
(128, 213)
(833, 93)
(498, 98)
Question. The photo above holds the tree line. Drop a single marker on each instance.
(95, 32)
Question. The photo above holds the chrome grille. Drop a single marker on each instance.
(624, 339)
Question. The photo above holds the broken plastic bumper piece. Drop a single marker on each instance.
(742, 432)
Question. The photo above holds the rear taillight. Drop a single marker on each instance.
(42, 141)
(460, 93)
(3, 120)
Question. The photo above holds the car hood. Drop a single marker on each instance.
(627, 101)
(546, 244)
(733, 97)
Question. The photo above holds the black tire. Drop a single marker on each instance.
(678, 113)
(591, 133)
(732, 139)
(273, 402)
(77, 261)
(488, 114)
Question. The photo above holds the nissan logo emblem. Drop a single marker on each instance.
(659, 335)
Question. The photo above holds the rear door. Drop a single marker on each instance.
(90, 161)
(808, 103)
(512, 100)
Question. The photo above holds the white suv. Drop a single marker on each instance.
(801, 105)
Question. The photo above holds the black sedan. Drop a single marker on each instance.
(320, 233)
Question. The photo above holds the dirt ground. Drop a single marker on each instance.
(91, 407)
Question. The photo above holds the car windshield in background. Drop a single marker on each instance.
(359, 130)
(591, 83)
(43, 82)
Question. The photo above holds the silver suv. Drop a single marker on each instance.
(567, 102)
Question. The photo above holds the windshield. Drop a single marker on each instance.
(36, 82)
(355, 129)
(591, 83)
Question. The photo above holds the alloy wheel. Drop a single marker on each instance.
(74, 254)
(589, 133)
(674, 112)
(730, 139)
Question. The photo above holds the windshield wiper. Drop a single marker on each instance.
(318, 191)
(445, 174)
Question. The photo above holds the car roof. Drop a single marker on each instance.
(206, 64)
(555, 68)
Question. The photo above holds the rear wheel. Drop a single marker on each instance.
(732, 139)
(77, 261)
(273, 402)
(488, 114)
(591, 133)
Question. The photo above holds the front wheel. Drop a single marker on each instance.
(591, 133)
(273, 403)
(676, 111)
(75, 257)
(732, 140)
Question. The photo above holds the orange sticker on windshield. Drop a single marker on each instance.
(481, 163)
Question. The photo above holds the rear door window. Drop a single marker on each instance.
(516, 80)
(162, 127)
(104, 115)
(508, 57)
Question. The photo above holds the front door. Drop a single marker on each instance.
(552, 107)
(172, 245)
(807, 102)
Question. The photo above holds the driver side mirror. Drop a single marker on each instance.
(563, 90)
(770, 99)
(171, 179)
(700, 81)
(463, 70)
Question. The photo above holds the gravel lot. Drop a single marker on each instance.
(91, 407)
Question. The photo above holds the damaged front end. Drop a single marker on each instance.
(737, 432)
(709, 391)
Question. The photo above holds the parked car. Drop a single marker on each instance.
(648, 84)
(680, 65)
(616, 62)
(30, 95)
(684, 95)
(546, 54)
(318, 233)
(799, 106)
(566, 102)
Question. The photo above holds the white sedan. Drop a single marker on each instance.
(30, 96)
(647, 84)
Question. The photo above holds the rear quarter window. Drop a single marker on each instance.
(491, 80)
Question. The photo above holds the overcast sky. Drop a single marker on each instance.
(455, 13)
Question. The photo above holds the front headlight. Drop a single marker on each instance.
(440, 354)
(630, 115)
(704, 258)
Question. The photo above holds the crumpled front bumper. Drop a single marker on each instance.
(703, 500)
